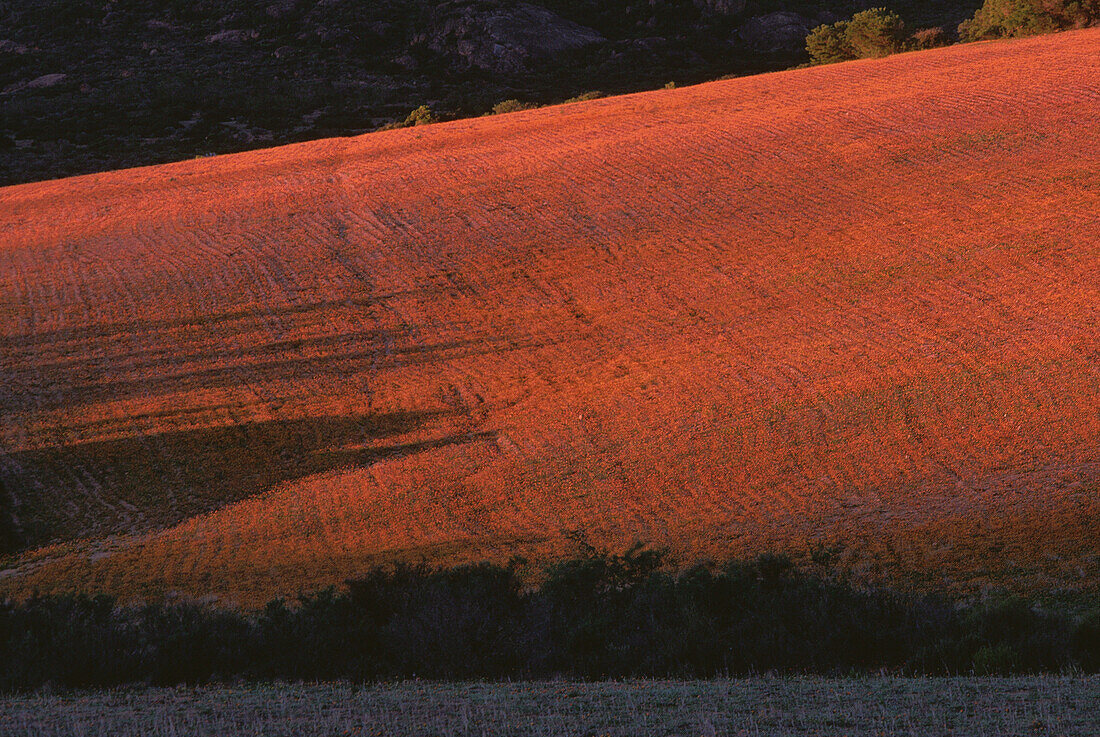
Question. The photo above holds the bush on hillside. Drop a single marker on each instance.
(928, 38)
(1015, 18)
(827, 44)
(584, 97)
(869, 34)
(876, 33)
(422, 115)
(512, 106)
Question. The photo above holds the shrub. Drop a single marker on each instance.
(928, 38)
(827, 44)
(992, 660)
(1086, 642)
(876, 33)
(512, 106)
(1014, 18)
(422, 115)
(1010, 636)
(870, 34)
(585, 97)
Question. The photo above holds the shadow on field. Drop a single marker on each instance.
(145, 482)
(154, 359)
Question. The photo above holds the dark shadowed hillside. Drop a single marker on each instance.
(91, 85)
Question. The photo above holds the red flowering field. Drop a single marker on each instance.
(852, 308)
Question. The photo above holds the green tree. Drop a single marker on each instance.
(876, 33)
(1014, 18)
(868, 35)
(829, 43)
(423, 115)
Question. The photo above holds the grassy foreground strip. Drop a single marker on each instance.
(1045, 705)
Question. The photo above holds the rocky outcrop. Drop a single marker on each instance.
(233, 36)
(8, 46)
(504, 39)
(47, 80)
(776, 32)
(282, 8)
(38, 83)
(726, 8)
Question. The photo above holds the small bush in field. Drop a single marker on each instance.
(585, 97)
(995, 659)
(928, 38)
(512, 106)
(422, 115)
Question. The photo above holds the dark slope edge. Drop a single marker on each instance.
(94, 85)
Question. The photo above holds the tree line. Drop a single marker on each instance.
(879, 32)
(597, 616)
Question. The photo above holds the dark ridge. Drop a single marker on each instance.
(95, 85)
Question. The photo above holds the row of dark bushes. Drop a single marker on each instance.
(600, 616)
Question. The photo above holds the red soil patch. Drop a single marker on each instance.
(856, 303)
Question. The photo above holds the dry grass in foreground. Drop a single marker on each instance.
(1051, 705)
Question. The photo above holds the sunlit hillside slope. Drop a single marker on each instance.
(852, 308)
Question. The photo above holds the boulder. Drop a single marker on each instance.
(38, 83)
(46, 80)
(282, 8)
(776, 32)
(8, 46)
(721, 7)
(504, 38)
(233, 36)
